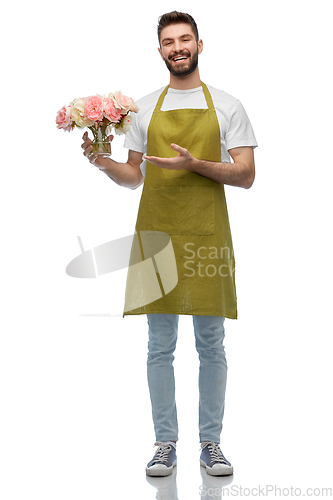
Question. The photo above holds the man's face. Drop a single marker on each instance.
(179, 49)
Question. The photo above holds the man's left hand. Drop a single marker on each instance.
(183, 161)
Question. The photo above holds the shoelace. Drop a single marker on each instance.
(162, 453)
(215, 453)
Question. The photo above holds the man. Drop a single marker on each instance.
(185, 133)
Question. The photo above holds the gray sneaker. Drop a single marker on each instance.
(213, 459)
(163, 462)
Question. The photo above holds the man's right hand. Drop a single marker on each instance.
(92, 157)
(124, 174)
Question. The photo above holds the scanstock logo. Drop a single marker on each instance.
(149, 256)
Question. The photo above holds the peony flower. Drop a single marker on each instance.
(113, 96)
(126, 103)
(98, 112)
(111, 111)
(63, 119)
(94, 108)
(125, 125)
(78, 114)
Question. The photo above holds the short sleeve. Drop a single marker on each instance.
(240, 132)
(134, 138)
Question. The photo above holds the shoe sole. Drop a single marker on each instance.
(161, 472)
(227, 471)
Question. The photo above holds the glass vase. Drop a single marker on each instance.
(99, 144)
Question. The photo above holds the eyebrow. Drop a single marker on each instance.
(182, 36)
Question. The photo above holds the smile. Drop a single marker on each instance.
(179, 58)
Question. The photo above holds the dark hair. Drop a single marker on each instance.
(175, 17)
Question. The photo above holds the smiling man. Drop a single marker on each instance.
(180, 63)
(180, 147)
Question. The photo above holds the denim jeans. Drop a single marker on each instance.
(209, 336)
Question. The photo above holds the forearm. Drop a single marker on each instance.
(122, 174)
(233, 174)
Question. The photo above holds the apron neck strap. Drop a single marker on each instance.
(206, 92)
(208, 97)
(161, 98)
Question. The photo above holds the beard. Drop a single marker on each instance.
(183, 70)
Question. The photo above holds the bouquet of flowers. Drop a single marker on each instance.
(100, 114)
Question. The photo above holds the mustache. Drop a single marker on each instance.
(182, 53)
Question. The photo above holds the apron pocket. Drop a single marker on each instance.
(182, 210)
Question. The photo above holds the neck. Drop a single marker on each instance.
(191, 81)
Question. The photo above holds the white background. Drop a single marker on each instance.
(76, 417)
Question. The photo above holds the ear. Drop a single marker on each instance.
(200, 46)
(161, 53)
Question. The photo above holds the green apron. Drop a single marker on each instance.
(192, 210)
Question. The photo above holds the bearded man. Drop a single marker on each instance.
(180, 145)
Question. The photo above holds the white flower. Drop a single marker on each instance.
(78, 114)
(125, 125)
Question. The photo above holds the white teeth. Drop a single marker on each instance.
(179, 58)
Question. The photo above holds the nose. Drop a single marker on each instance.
(178, 45)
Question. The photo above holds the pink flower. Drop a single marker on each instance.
(111, 110)
(125, 102)
(64, 119)
(94, 108)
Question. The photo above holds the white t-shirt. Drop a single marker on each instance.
(235, 126)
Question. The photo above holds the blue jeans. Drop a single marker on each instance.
(209, 336)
